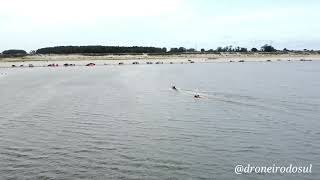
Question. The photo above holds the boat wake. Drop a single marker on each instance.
(241, 100)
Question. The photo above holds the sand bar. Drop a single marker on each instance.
(80, 60)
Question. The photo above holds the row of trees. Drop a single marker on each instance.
(265, 48)
(134, 50)
(231, 49)
(14, 52)
(99, 50)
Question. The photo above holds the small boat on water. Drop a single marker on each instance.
(197, 96)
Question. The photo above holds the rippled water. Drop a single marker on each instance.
(124, 122)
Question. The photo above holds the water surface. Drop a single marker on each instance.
(124, 122)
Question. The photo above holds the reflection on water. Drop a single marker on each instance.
(124, 122)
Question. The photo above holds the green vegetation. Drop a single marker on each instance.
(14, 52)
(254, 50)
(231, 49)
(99, 50)
(268, 48)
(178, 50)
(139, 50)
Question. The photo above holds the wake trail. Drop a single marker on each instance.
(249, 100)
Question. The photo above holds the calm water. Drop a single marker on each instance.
(124, 122)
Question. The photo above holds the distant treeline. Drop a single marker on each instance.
(99, 50)
(13, 53)
(138, 50)
(141, 49)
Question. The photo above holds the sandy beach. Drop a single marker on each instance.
(80, 60)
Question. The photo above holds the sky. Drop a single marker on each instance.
(32, 24)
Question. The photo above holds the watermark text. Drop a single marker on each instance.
(273, 169)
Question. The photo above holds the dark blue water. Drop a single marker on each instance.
(124, 122)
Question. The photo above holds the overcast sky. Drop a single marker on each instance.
(31, 24)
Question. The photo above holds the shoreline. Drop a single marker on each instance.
(82, 60)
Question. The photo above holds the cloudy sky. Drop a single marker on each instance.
(31, 24)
